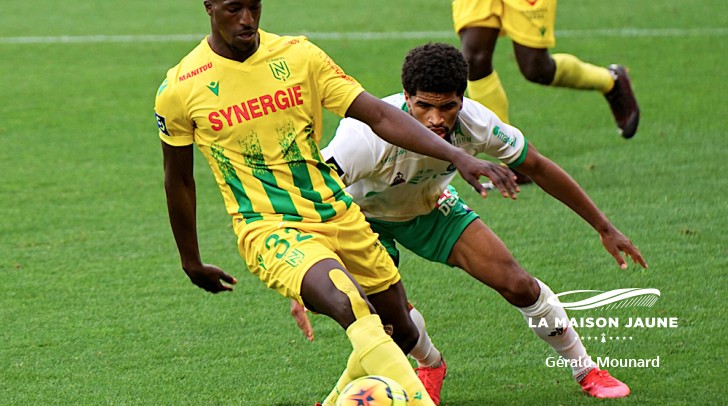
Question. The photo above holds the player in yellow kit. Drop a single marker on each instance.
(530, 24)
(252, 102)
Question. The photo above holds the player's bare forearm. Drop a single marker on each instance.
(181, 209)
(559, 184)
(179, 186)
(401, 129)
(556, 182)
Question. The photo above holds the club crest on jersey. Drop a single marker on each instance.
(279, 68)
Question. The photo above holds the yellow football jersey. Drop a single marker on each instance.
(258, 123)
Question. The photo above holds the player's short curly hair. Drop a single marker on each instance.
(435, 67)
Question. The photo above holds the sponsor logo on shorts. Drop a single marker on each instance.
(295, 257)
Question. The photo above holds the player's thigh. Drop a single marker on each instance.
(363, 254)
(530, 22)
(485, 257)
(476, 13)
(478, 45)
(329, 289)
(369, 262)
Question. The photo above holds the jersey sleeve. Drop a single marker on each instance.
(337, 89)
(497, 139)
(350, 153)
(175, 126)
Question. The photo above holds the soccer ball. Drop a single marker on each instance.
(373, 390)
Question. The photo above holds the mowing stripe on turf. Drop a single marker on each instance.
(367, 36)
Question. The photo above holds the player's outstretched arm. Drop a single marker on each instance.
(179, 185)
(399, 128)
(556, 182)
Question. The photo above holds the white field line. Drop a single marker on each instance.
(369, 36)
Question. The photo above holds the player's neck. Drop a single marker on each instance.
(228, 51)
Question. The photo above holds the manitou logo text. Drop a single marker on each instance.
(196, 71)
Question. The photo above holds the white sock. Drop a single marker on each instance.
(424, 351)
(541, 318)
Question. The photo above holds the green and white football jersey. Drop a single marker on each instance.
(394, 184)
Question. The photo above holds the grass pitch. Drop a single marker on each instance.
(96, 310)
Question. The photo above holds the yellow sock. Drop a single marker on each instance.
(379, 355)
(489, 92)
(374, 353)
(353, 370)
(361, 309)
(572, 72)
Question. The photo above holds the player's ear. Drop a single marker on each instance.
(208, 6)
(408, 101)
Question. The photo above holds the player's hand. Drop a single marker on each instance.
(472, 168)
(299, 313)
(211, 278)
(616, 243)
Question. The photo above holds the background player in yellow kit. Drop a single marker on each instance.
(530, 24)
(252, 103)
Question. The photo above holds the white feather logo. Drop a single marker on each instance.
(614, 299)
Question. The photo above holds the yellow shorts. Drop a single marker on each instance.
(280, 253)
(527, 22)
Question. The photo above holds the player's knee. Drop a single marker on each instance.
(480, 63)
(344, 302)
(406, 336)
(520, 289)
(339, 307)
(537, 73)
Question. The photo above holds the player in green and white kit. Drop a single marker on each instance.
(407, 199)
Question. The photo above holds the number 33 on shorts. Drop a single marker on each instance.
(280, 244)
